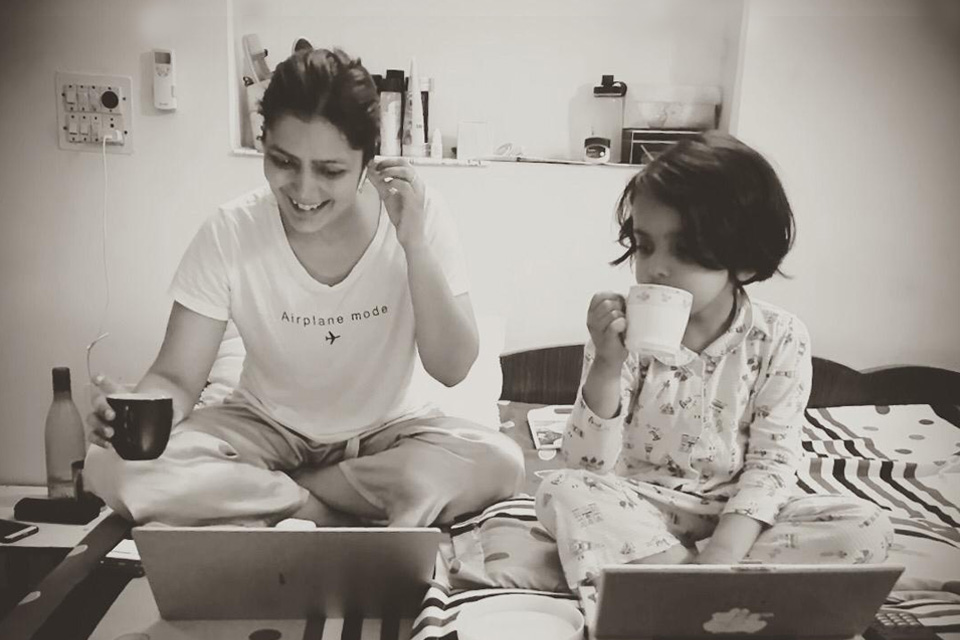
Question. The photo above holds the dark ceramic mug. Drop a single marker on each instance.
(141, 426)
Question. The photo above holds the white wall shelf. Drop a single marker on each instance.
(532, 84)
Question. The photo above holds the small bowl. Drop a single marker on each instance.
(520, 617)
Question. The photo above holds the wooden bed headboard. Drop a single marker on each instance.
(551, 375)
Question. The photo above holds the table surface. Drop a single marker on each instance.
(61, 536)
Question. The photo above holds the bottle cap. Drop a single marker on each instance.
(61, 378)
(610, 88)
(393, 81)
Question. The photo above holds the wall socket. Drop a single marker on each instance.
(91, 107)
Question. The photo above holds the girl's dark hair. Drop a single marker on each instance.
(734, 214)
(320, 83)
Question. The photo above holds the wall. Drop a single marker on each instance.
(857, 103)
(51, 270)
(520, 224)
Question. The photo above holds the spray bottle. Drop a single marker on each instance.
(256, 84)
(414, 132)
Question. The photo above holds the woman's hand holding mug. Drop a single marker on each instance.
(136, 425)
(97, 427)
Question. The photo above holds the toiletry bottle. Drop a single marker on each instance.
(260, 77)
(391, 103)
(426, 92)
(63, 439)
(436, 145)
(414, 134)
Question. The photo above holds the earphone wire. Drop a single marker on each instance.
(106, 273)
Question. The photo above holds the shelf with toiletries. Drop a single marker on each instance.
(479, 163)
(427, 161)
(479, 97)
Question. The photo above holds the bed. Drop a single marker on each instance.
(890, 435)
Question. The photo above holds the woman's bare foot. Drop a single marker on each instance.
(323, 516)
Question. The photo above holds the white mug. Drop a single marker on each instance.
(657, 318)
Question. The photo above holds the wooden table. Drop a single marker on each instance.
(38, 574)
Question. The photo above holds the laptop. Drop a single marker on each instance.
(762, 601)
(230, 572)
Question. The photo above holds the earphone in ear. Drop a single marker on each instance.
(363, 176)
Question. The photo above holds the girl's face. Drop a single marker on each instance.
(313, 172)
(661, 258)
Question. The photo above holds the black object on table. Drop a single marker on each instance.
(58, 510)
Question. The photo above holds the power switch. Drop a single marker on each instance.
(109, 99)
(93, 109)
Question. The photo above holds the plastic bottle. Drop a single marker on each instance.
(426, 90)
(608, 116)
(436, 145)
(391, 107)
(63, 439)
(261, 73)
(414, 133)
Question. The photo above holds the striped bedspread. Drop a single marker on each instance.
(905, 459)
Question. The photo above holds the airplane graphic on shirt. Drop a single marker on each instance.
(331, 338)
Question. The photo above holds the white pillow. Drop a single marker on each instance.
(225, 373)
(474, 399)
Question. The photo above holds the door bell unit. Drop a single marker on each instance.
(164, 80)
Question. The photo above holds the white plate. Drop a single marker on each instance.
(520, 617)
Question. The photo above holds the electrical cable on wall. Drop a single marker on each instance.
(106, 274)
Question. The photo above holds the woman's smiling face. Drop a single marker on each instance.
(313, 172)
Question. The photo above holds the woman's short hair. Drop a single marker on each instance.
(329, 84)
(734, 213)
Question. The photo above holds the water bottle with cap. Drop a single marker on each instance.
(607, 120)
(63, 439)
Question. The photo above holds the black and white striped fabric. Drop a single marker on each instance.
(866, 458)
(441, 607)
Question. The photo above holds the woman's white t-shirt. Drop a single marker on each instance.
(327, 361)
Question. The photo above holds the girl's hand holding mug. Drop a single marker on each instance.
(403, 194)
(607, 323)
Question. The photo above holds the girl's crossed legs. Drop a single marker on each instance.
(600, 520)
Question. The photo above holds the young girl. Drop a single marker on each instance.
(335, 284)
(667, 451)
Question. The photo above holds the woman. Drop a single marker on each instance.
(335, 284)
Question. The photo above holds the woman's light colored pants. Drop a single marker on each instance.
(227, 464)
